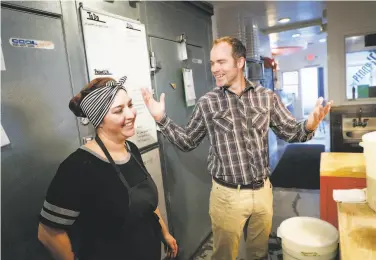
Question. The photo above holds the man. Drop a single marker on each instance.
(236, 116)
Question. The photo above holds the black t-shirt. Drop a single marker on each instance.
(87, 198)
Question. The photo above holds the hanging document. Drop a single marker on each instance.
(189, 87)
(116, 46)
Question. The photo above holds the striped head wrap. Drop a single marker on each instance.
(97, 103)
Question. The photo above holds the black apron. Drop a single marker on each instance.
(144, 223)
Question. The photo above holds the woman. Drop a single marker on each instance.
(103, 190)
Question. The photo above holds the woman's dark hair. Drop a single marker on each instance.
(74, 104)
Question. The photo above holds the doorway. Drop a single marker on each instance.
(302, 88)
(311, 88)
(184, 170)
(291, 93)
(36, 90)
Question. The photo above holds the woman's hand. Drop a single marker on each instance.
(171, 242)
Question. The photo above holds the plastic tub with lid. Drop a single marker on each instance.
(308, 238)
(369, 151)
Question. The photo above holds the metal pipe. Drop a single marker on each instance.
(252, 39)
(292, 26)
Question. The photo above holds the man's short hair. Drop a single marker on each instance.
(238, 49)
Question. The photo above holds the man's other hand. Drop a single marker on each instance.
(318, 114)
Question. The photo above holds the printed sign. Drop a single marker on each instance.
(365, 69)
(27, 43)
(198, 61)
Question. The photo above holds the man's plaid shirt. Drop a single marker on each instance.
(237, 127)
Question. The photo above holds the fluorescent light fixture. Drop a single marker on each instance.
(322, 40)
(284, 20)
(296, 35)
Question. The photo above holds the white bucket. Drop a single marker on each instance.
(308, 238)
(369, 151)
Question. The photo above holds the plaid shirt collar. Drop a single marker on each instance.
(249, 85)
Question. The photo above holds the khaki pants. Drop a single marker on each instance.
(230, 210)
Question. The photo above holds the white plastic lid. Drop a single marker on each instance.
(369, 137)
(308, 231)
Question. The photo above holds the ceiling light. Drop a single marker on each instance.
(322, 40)
(284, 20)
(296, 35)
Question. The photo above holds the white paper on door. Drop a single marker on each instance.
(189, 87)
(116, 47)
(4, 137)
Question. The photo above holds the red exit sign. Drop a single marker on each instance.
(310, 57)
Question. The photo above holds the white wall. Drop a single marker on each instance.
(297, 61)
(345, 19)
